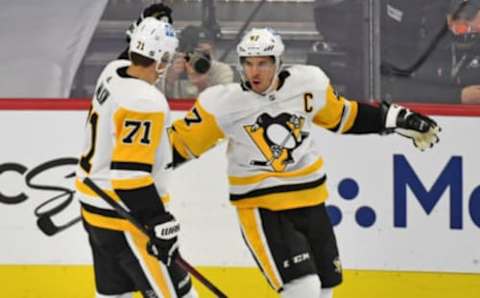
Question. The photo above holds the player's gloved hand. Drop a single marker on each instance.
(163, 242)
(421, 129)
(159, 11)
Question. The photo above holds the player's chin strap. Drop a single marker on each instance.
(274, 84)
(166, 60)
(160, 74)
(160, 71)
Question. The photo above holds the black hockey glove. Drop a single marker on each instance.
(421, 129)
(163, 242)
(159, 11)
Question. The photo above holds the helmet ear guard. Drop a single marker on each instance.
(166, 59)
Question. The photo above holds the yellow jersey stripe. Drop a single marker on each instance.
(153, 265)
(131, 183)
(351, 117)
(107, 222)
(286, 200)
(84, 189)
(252, 233)
(330, 114)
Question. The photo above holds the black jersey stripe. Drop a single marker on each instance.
(177, 159)
(369, 120)
(101, 211)
(278, 189)
(131, 166)
(337, 127)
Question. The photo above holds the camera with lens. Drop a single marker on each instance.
(199, 60)
(190, 37)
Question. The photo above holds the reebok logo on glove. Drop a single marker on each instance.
(163, 242)
(167, 230)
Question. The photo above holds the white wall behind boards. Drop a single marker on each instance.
(394, 208)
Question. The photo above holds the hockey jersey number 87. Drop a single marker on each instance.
(273, 162)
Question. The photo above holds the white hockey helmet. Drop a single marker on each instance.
(261, 42)
(154, 39)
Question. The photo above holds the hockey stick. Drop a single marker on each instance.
(44, 218)
(49, 228)
(179, 260)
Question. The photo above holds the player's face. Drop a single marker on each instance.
(260, 72)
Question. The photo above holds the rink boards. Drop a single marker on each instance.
(399, 214)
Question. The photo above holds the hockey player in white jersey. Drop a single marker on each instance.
(275, 171)
(125, 152)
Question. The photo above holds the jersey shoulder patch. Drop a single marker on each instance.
(137, 95)
(217, 99)
(309, 75)
(111, 69)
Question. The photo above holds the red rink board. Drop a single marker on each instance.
(69, 104)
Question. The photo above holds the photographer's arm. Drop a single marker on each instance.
(199, 80)
(221, 73)
(471, 94)
(169, 85)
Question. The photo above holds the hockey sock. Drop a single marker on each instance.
(326, 293)
(305, 287)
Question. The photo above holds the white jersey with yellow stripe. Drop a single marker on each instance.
(125, 147)
(273, 161)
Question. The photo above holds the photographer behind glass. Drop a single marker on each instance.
(448, 70)
(466, 50)
(194, 68)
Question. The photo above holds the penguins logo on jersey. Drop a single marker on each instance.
(276, 137)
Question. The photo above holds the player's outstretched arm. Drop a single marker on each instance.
(195, 134)
(391, 118)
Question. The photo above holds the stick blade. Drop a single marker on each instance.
(46, 225)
